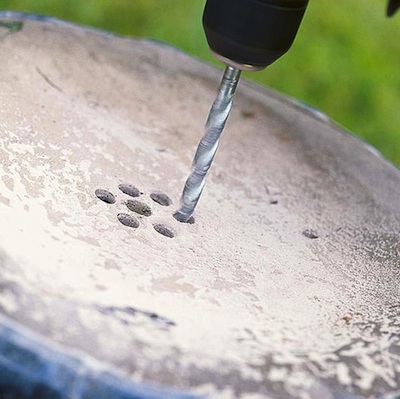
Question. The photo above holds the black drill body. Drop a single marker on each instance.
(252, 34)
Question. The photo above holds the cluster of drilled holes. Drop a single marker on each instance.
(138, 207)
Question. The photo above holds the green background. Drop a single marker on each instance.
(345, 60)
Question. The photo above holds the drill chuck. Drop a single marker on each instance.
(252, 34)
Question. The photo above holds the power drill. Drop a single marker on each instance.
(245, 35)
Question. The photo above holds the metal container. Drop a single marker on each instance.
(286, 285)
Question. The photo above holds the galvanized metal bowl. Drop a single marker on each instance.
(285, 286)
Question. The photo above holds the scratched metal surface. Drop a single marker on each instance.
(286, 285)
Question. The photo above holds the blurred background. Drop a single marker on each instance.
(345, 60)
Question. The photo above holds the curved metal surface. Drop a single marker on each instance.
(32, 368)
(286, 285)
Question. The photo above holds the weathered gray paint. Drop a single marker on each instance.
(239, 304)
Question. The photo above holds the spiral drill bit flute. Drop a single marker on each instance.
(209, 143)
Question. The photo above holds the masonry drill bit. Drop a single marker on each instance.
(208, 145)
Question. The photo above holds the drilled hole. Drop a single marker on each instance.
(128, 220)
(161, 198)
(129, 189)
(309, 233)
(164, 230)
(139, 207)
(105, 196)
(190, 221)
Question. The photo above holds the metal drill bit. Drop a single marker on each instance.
(209, 143)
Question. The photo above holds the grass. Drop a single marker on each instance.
(345, 60)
